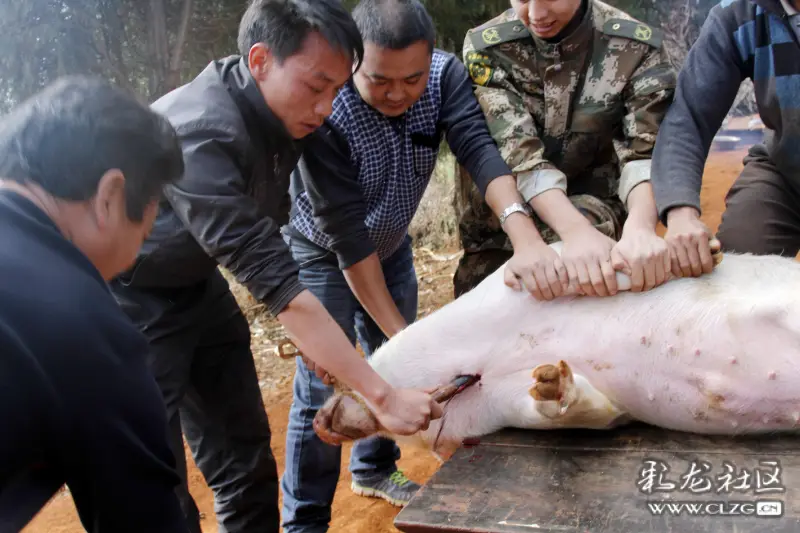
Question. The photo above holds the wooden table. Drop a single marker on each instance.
(602, 482)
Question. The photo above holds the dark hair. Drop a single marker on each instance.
(68, 135)
(284, 25)
(394, 24)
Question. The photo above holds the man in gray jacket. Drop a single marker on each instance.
(760, 40)
(242, 123)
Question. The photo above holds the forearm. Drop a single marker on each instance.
(320, 338)
(520, 229)
(557, 211)
(368, 284)
(707, 86)
(642, 211)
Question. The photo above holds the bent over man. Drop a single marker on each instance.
(356, 190)
(740, 39)
(574, 92)
(242, 123)
(82, 165)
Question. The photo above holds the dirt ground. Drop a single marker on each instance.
(351, 513)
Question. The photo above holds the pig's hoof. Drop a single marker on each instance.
(551, 381)
(547, 383)
(554, 383)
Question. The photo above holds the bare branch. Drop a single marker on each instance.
(173, 78)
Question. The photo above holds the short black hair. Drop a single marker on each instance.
(284, 25)
(68, 135)
(394, 24)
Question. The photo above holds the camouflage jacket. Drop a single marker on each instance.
(581, 115)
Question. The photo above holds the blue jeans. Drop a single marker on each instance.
(312, 467)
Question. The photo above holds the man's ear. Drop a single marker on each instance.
(109, 202)
(260, 60)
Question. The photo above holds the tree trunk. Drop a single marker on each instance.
(159, 48)
(176, 61)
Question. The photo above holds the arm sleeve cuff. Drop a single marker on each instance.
(492, 168)
(351, 251)
(285, 293)
(633, 173)
(532, 184)
(679, 198)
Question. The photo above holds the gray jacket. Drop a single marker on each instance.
(739, 39)
(228, 208)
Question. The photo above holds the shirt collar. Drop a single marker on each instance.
(575, 40)
(251, 100)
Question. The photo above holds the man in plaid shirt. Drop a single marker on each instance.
(355, 191)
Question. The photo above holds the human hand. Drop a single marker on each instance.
(407, 411)
(540, 270)
(320, 372)
(643, 256)
(586, 254)
(688, 239)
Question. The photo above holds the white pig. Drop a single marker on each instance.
(718, 354)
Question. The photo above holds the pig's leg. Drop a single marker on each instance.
(562, 399)
(515, 400)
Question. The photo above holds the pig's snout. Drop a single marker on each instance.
(344, 417)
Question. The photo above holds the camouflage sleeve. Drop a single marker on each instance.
(648, 96)
(510, 123)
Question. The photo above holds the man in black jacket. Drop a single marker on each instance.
(82, 165)
(243, 122)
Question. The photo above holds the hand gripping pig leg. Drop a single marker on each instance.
(345, 416)
(568, 400)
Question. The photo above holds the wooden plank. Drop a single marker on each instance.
(643, 437)
(584, 481)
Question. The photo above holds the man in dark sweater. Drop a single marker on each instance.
(760, 40)
(82, 165)
(242, 123)
(355, 192)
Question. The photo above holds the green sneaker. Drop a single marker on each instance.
(396, 488)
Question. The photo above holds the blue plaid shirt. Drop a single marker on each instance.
(362, 176)
(394, 171)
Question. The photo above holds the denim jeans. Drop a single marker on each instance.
(313, 467)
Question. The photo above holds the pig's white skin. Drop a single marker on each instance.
(660, 356)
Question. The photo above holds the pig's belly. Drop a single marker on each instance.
(712, 372)
(718, 354)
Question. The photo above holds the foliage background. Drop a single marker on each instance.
(152, 46)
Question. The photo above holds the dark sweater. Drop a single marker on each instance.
(740, 39)
(77, 402)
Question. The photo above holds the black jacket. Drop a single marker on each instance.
(233, 198)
